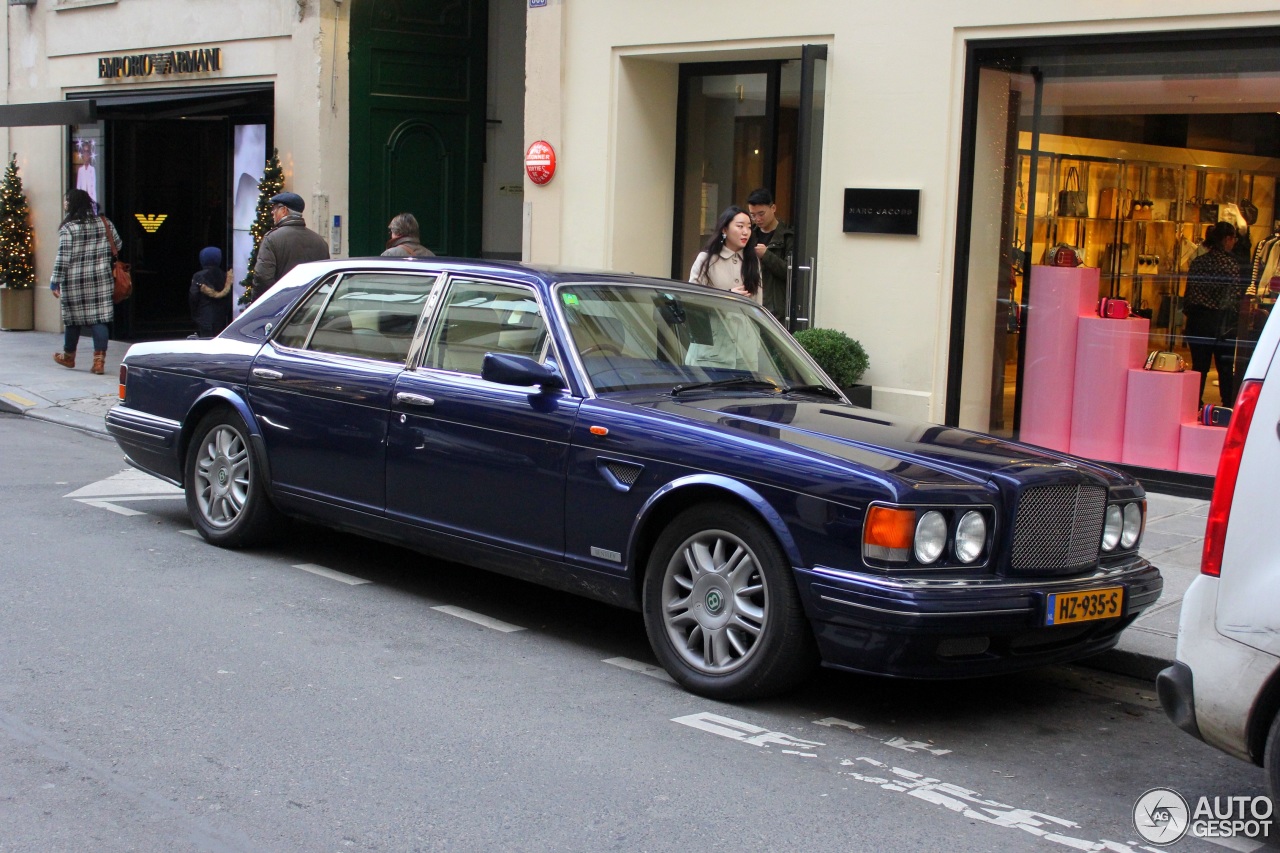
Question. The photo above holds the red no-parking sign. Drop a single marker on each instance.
(540, 162)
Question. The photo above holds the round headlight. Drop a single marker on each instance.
(1112, 527)
(1132, 525)
(931, 536)
(971, 537)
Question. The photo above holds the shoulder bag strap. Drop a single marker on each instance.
(106, 226)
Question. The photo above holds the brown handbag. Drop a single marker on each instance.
(122, 279)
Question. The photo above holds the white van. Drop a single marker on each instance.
(1224, 687)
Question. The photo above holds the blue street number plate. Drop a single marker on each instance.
(1064, 607)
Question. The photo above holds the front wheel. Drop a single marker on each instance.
(721, 608)
(225, 495)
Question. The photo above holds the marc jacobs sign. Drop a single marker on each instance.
(165, 62)
(877, 211)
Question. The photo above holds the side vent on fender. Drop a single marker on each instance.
(621, 475)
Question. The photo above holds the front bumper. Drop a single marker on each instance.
(961, 627)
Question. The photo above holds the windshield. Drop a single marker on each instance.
(635, 337)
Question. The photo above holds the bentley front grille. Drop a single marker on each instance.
(1058, 527)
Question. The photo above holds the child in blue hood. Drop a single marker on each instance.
(210, 294)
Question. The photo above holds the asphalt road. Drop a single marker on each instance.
(159, 694)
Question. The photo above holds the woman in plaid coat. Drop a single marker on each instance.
(82, 277)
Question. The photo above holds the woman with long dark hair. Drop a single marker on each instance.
(728, 260)
(1214, 285)
(82, 278)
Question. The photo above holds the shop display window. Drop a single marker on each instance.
(1094, 184)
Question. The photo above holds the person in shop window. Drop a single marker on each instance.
(286, 245)
(1214, 286)
(82, 278)
(775, 241)
(210, 294)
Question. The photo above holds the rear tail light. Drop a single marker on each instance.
(124, 379)
(1224, 486)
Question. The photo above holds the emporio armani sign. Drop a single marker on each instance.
(165, 62)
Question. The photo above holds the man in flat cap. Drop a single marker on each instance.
(286, 245)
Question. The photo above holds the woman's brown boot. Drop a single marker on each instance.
(99, 362)
(66, 359)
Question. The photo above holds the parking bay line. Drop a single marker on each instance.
(479, 618)
(641, 667)
(350, 580)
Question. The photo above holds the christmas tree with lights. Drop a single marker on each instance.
(17, 248)
(272, 184)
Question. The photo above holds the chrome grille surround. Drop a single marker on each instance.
(1058, 527)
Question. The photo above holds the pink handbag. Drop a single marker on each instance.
(1113, 309)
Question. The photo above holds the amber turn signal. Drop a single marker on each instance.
(887, 533)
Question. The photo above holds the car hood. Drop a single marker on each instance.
(911, 450)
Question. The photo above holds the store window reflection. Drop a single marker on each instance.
(1098, 175)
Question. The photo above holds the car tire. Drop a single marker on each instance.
(226, 498)
(1271, 760)
(721, 607)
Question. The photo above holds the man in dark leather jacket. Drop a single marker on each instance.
(774, 244)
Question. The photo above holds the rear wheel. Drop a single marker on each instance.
(721, 608)
(225, 495)
(1271, 760)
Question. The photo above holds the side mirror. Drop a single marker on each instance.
(520, 370)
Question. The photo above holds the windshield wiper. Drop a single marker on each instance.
(820, 390)
(726, 383)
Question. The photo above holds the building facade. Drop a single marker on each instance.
(928, 154)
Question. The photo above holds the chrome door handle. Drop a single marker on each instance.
(265, 373)
(413, 399)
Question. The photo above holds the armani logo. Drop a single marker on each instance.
(151, 222)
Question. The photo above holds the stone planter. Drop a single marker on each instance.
(859, 395)
(17, 309)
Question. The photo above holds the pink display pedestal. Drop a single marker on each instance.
(1199, 447)
(1157, 405)
(1058, 296)
(1106, 350)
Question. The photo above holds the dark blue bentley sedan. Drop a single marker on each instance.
(663, 446)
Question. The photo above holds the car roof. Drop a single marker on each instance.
(549, 274)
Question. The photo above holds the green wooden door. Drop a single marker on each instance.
(418, 121)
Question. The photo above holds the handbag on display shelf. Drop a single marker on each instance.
(1073, 199)
(1019, 256)
(1142, 209)
(1112, 202)
(1248, 209)
(1164, 361)
(1063, 255)
(1113, 309)
(1209, 212)
(1212, 415)
(1148, 265)
(122, 280)
(1115, 256)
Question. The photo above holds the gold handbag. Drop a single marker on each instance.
(1163, 361)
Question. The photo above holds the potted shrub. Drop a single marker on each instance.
(840, 357)
(17, 254)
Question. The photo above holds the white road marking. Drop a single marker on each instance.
(743, 732)
(642, 668)
(834, 722)
(350, 580)
(479, 618)
(119, 510)
(129, 483)
(970, 805)
(895, 742)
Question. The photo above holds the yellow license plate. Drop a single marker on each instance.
(1065, 607)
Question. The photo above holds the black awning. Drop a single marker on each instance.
(50, 113)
